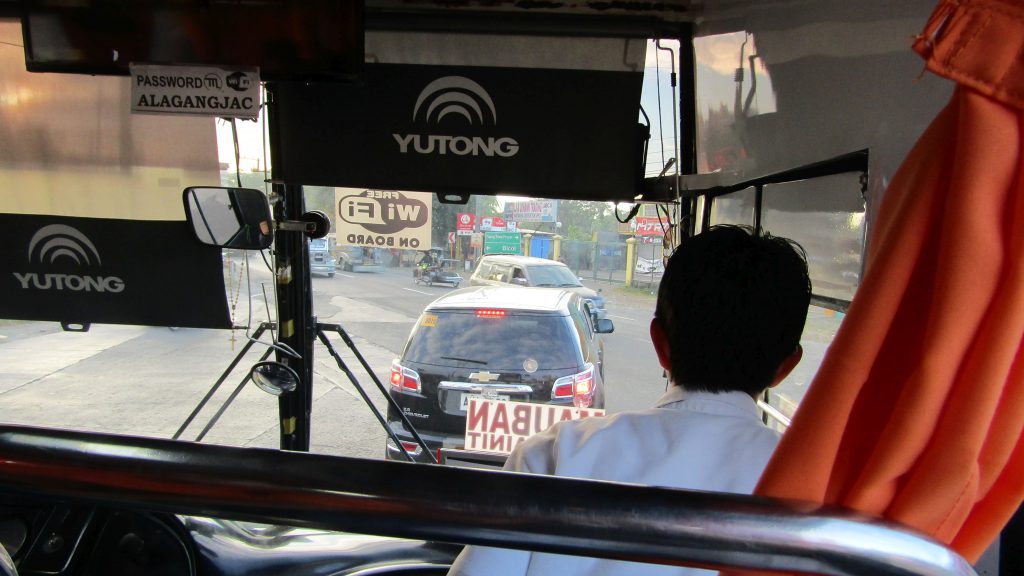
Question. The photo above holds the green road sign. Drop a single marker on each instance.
(503, 243)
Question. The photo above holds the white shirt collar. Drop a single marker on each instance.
(728, 403)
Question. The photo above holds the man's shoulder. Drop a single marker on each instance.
(571, 439)
(611, 423)
(666, 447)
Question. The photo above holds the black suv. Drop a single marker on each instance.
(502, 343)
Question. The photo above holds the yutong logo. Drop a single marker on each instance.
(459, 96)
(58, 244)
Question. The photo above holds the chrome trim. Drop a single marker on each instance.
(400, 569)
(484, 376)
(399, 449)
(6, 563)
(493, 388)
(562, 515)
(773, 413)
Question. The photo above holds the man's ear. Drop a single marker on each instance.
(787, 366)
(661, 346)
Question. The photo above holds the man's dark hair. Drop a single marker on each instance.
(733, 306)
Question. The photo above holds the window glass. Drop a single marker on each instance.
(736, 208)
(733, 86)
(825, 216)
(493, 343)
(103, 161)
(583, 329)
(821, 327)
(502, 272)
(70, 145)
(552, 276)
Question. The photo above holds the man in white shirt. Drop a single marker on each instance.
(730, 312)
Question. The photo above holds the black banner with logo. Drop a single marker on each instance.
(105, 271)
(531, 132)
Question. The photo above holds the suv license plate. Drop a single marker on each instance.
(464, 405)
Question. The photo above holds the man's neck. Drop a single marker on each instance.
(698, 389)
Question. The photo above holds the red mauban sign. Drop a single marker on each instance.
(500, 425)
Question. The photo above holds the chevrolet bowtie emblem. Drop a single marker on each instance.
(484, 376)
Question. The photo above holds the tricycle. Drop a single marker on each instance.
(431, 275)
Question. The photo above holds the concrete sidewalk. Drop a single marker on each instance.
(146, 381)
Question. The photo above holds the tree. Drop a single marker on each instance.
(581, 220)
(322, 198)
(249, 180)
(443, 221)
(444, 215)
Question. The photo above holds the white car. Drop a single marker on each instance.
(504, 269)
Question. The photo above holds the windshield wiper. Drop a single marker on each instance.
(545, 285)
(471, 361)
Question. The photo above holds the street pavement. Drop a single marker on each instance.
(146, 381)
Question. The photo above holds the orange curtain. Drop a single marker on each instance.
(917, 411)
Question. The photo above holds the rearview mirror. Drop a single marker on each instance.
(274, 378)
(229, 217)
(604, 326)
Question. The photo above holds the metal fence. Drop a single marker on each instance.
(607, 261)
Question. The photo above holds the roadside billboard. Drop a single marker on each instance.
(532, 211)
(383, 218)
(492, 224)
(464, 223)
(648, 226)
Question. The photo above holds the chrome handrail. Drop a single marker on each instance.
(774, 413)
(544, 513)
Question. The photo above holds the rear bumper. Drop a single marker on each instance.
(433, 440)
(315, 269)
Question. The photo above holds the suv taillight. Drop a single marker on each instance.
(579, 386)
(412, 448)
(403, 378)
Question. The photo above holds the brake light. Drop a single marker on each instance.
(579, 386)
(403, 378)
(562, 389)
(489, 313)
(412, 448)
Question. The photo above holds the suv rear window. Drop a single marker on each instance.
(461, 338)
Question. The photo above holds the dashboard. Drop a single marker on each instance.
(47, 538)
